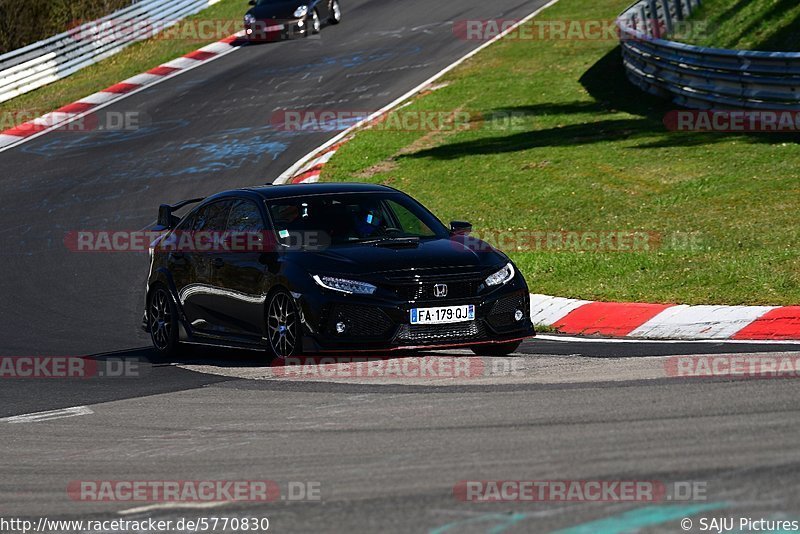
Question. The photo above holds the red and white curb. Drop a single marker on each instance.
(309, 172)
(664, 321)
(72, 112)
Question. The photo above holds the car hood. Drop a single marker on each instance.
(368, 259)
(276, 10)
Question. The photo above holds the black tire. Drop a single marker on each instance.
(315, 23)
(496, 349)
(162, 321)
(336, 12)
(283, 326)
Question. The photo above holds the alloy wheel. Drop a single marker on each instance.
(161, 319)
(282, 325)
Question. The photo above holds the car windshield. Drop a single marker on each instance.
(339, 219)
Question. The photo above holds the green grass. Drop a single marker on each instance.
(771, 25)
(133, 60)
(591, 152)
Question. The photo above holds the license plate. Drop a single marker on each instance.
(277, 28)
(443, 315)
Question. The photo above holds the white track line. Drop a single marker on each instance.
(173, 506)
(52, 415)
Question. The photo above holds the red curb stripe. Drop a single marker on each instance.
(305, 176)
(608, 318)
(229, 40)
(200, 55)
(76, 107)
(26, 129)
(162, 70)
(120, 88)
(781, 323)
(316, 168)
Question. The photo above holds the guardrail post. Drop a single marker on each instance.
(655, 24)
(678, 9)
(645, 22)
(667, 17)
(633, 22)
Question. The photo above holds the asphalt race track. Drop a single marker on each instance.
(386, 455)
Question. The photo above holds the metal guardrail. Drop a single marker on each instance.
(699, 77)
(43, 62)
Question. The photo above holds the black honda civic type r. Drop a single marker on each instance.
(311, 268)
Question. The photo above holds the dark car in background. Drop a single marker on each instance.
(270, 20)
(329, 267)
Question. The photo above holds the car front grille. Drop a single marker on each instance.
(502, 314)
(361, 321)
(425, 291)
(422, 334)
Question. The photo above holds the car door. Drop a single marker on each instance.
(193, 258)
(241, 274)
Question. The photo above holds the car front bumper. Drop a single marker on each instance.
(384, 325)
(275, 30)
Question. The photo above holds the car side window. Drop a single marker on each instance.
(245, 217)
(212, 218)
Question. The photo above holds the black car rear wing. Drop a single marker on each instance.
(166, 219)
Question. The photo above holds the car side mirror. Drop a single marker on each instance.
(460, 227)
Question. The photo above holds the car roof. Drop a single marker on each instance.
(271, 192)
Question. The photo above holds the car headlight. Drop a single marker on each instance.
(343, 285)
(301, 11)
(504, 275)
(249, 19)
